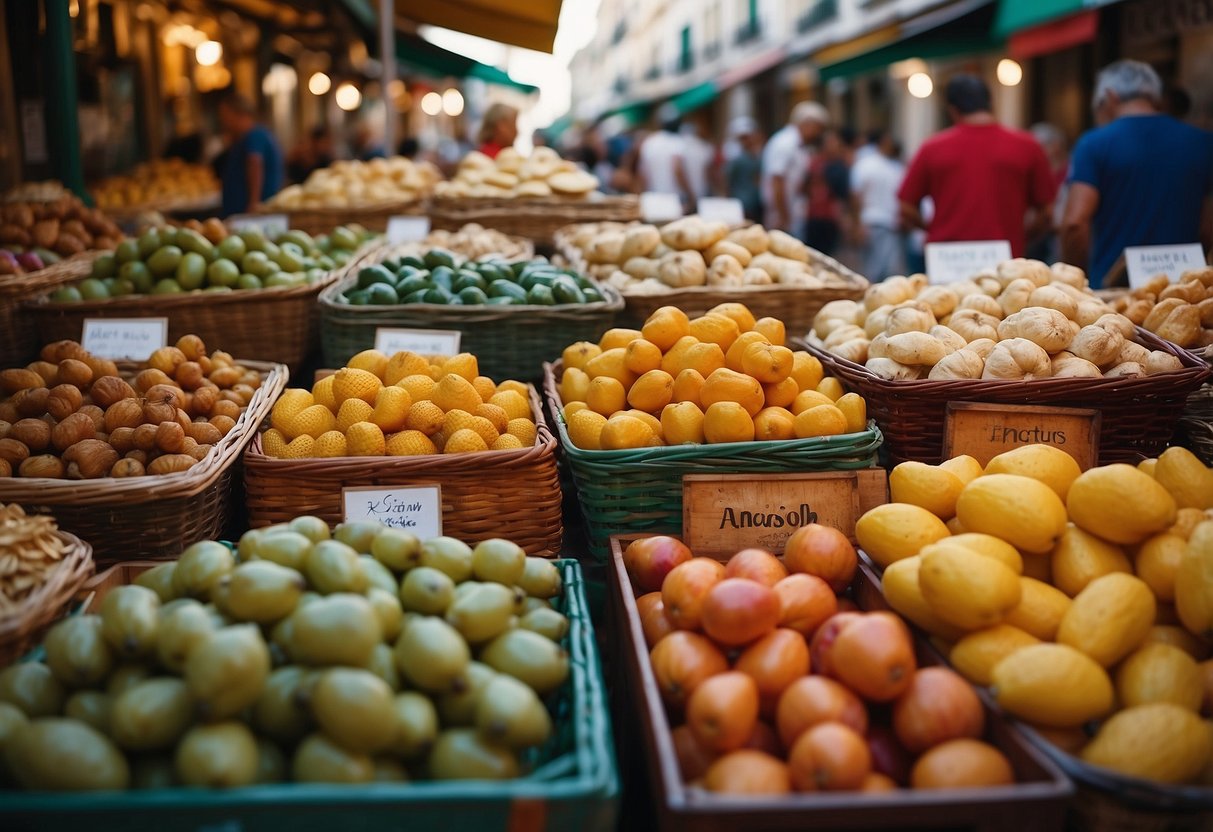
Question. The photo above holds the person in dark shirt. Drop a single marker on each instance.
(313, 153)
(253, 169)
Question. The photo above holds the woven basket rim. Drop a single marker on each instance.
(406, 249)
(531, 203)
(76, 267)
(343, 210)
(44, 604)
(150, 487)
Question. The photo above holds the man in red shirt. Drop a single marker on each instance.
(982, 177)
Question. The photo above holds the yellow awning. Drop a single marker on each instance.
(527, 23)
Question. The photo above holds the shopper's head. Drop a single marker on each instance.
(500, 125)
(967, 95)
(811, 119)
(236, 113)
(1125, 81)
(669, 118)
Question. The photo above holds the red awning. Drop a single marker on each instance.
(754, 66)
(1055, 36)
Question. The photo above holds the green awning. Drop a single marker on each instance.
(695, 97)
(419, 55)
(1016, 15)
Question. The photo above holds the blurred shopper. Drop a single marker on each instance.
(367, 143)
(700, 155)
(875, 178)
(1143, 179)
(662, 164)
(252, 169)
(983, 177)
(743, 170)
(498, 131)
(785, 163)
(409, 147)
(828, 188)
(1046, 246)
(540, 138)
(313, 152)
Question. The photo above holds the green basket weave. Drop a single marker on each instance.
(508, 341)
(574, 783)
(640, 491)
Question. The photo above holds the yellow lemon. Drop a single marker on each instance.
(352, 383)
(410, 443)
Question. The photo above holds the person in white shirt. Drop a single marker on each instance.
(663, 163)
(699, 154)
(785, 164)
(875, 179)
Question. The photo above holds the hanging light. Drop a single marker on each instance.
(920, 85)
(1009, 72)
(395, 89)
(348, 97)
(319, 83)
(431, 103)
(452, 102)
(208, 53)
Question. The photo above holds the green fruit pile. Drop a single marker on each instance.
(168, 260)
(304, 656)
(443, 277)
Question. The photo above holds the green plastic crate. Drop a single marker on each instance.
(574, 785)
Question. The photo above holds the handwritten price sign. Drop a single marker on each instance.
(421, 341)
(953, 262)
(118, 338)
(417, 509)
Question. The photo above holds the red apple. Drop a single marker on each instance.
(738, 611)
(650, 559)
(888, 755)
(823, 641)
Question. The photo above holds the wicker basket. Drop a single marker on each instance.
(1196, 424)
(152, 516)
(508, 341)
(535, 218)
(19, 334)
(1139, 414)
(23, 627)
(279, 325)
(317, 221)
(640, 491)
(482, 493)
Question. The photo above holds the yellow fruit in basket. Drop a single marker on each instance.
(649, 419)
(426, 417)
(767, 363)
(611, 364)
(1160, 742)
(485, 387)
(524, 429)
(456, 420)
(894, 531)
(1176, 636)
(773, 329)
(351, 412)
(617, 338)
(623, 432)
(273, 442)
(312, 421)
(499, 418)
(420, 387)
(991, 547)
(574, 386)
(665, 326)
(606, 395)
(515, 404)
(1109, 618)
(781, 394)
(1157, 563)
(585, 429)
(1194, 583)
(732, 358)
(1120, 503)
(1040, 610)
(727, 386)
(727, 421)
(465, 441)
(573, 407)
(350, 383)
(1020, 510)
(1080, 558)
(855, 409)
(739, 312)
(409, 443)
(322, 393)
(822, 420)
(963, 466)
(1147, 466)
(1160, 673)
(391, 409)
(404, 364)
(1052, 685)
(688, 387)
(703, 358)
(806, 399)
(331, 444)
(682, 424)
(463, 365)
(1186, 521)
(579, 354)
(506, 442)
(373, 361)
(1185, 477)
(977, 654)
(512, 386)
(807, 370)
(955, 527)
(1052, 466)
(965, 589)
(924, 485)
(774, 424)
(289, 404)
(453, 392)
(365, 439)
(652, 391)
(671, 362)
(641, 356)
(484, 429)
(901, 589)
(716, 329)
(831, 387)
(301, 447)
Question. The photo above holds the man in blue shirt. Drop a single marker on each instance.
(253, 169)
(1141, 179)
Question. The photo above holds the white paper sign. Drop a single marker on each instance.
(421, 341)
(416, 509)
(271, 225)
(722, 209)
(118, 338)
(953, 262)
(1146, 262)
(407, 229)
(655, 207)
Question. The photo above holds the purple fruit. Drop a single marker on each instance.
(30, 261)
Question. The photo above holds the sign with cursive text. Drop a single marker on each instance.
(416, 508)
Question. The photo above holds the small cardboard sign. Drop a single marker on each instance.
(725, 513)
(983, 431)
(722, 209)
(659, 207)
(407, 229)
(953, 262)
(416, 509)
(1145, 262)
(421, 341)
(271, 225)
(124, 338)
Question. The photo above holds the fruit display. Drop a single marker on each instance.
(34, 235)
(776, 684)
(473, 242)
(1077, 596)
(1023, 321)
(722, 377)
(158, 183)
(171, 260)
(30, 552)
(352, 184)
(512, 175)
(1180, 312)
(639, 258)
(401, 405)
(354, 656)
(440, 276)
(72, 415)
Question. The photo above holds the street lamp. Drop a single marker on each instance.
(431, 104)
(920, 85)
(452, 102)
(348, 97)
(1009, 72)
(319, 83)
(208, 53)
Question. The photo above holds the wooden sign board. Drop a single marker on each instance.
(983, 431)
(722, 514)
